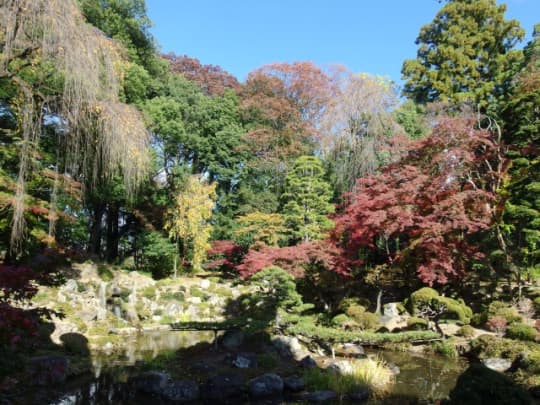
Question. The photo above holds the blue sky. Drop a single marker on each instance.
(372, 36)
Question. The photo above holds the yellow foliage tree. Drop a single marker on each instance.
(188, 221)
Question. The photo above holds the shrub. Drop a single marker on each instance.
(466, 331)
(485, 346)
(427, 300)
(445, 348)
(364, 319)
(497, 324)
(156, 254)
(415, 323)
(504, 310)
(537, 305)
(521, 331)
(340, 320)
(479, 319)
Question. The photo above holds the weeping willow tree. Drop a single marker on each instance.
(67, 70)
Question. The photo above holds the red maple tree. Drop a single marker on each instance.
(420, 213)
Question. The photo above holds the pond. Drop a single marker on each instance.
(421, 377)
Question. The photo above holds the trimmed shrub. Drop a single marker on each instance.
(521, 331)
(414, 323)
(504, 310)
(449, 308)
(466, 331)
(364, 319)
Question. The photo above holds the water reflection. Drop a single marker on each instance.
(420, 378)
(146, 346)
(423, 376)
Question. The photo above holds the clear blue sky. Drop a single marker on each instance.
(372, 36)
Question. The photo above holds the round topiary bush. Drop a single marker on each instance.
(414, 323)
(364, 319)
(466, 331)
(521, 331)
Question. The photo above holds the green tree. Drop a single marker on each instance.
(307, 200)
(261, 227)
(465, 55)
(188, 221)
(521, 219)
(55, 67)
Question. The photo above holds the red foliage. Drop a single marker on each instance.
(212, 79)
(294, 259)
(497, 324)
(17, 326)
(224, 255)
(420, 211)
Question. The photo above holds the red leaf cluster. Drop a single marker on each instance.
(212, 79)
(422, 210)
(224, 255)
(293, 259)
(17, 325)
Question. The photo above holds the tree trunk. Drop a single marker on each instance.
(379, 300)
(112, 232)
(94, 245)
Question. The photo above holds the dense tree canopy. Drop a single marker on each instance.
(466, 55)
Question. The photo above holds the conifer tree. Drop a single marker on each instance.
(307, 200)
(465, 55)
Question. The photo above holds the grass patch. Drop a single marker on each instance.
(372, 374)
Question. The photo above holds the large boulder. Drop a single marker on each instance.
(294, 383)
(245, 360)
(308, 362)
(223, 386)
(321, 397)
(181, 391)
(289, 346)
(497, 364)
(349, 350)
(267, 385)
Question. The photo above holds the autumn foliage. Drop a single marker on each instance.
(419, 214)
(293, 259)
(17, 325)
